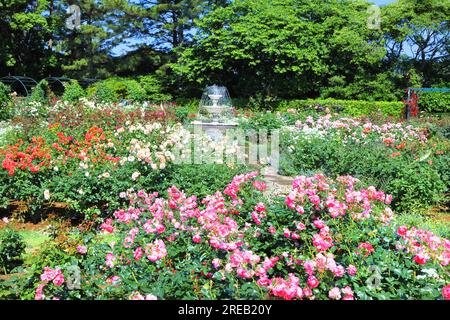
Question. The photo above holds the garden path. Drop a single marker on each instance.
(276, 184)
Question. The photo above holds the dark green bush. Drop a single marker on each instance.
(153, 89)
(73, 91)
(5, 102)
(146, 88)
(12, 247)
(115, 89)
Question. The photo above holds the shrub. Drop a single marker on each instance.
(105, 91)
(147, 88)
(73, 92)
(328, 239)
(12, 247)
(41, 92)
(348, 107)
(434, 102)
(153, 89)
(392, 156)
(5, 102)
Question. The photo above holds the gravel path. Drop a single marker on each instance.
(276, 184)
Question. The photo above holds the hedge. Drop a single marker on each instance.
(350, 107)
(434, 102)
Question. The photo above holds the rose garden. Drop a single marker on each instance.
(126, 188)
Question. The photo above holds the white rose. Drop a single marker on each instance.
(135, 175)
(46, 194)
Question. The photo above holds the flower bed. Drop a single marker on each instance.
(88, 168)
(328, 239)
(397, 157)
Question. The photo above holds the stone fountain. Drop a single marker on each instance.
(215, 114)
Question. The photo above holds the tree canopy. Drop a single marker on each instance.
(279, 48)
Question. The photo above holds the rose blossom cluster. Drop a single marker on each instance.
(54, 276)
(358, 131)
(157, 145)
(424, 245)
(214, 222)
(316, 192)
(218, 224)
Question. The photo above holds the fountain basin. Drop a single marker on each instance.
(215, 130)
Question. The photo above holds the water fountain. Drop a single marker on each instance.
(215, 114)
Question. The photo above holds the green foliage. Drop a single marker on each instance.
(12, 247)
(417, 178)
(348, 107)
(434, 102)
(153, 89)
(73, 92)
(40, 92)
(102, 92)
(146, 88)
(5, 102)
(274, 47)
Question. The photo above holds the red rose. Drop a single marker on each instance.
(401, 231)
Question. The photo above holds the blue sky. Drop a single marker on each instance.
(381, 2)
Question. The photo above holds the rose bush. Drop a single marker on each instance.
(88, 169)
(327, 239)
(396, 157)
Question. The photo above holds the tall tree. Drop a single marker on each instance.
(417, 34)
(86, 49)
(287, 48)
(25, 29)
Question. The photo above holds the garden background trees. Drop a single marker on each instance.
(268, 48)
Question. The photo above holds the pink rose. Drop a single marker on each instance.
(138, 253)
(260, 207)
(334, 294)
(401, 231)
(59, 279)
(110, 259)
(259, 185)
(81, 249)
(446, 292)
(351, 269)
(313, 282)
(197, 238)
(421, 258)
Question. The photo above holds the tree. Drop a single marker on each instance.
(417, 34)
(286, 48)
(25, 29)
(87, 50)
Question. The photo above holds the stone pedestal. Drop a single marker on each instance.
(215, 130)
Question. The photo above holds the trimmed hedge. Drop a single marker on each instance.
(146, 88)
(434, 102)
(349, 107)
